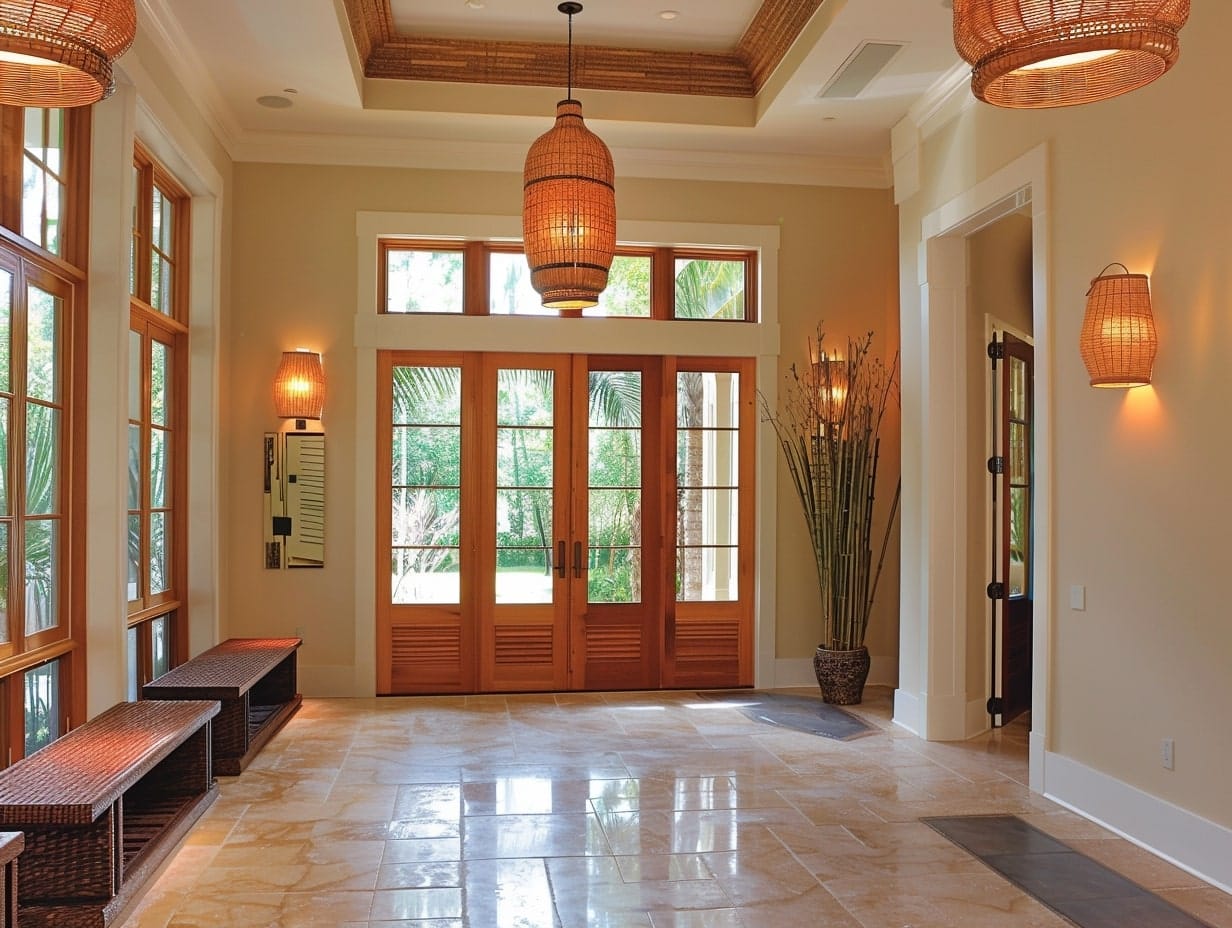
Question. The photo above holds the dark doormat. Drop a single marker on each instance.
(800, 713)
(1071, 884)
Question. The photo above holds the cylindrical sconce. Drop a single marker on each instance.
(299, 387)
(1118, 340)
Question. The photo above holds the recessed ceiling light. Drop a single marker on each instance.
(274, 102)
(475, 4)
(290, 90)
(668, 14)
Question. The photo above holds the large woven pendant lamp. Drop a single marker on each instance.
(569, 206)
(1118, 340)
(1031, 54)
(58, 53)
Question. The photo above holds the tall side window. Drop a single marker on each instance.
(156, 534)
(43, 210)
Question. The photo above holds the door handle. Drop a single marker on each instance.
(560, 559)
(577, 559)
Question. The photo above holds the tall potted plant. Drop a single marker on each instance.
(829, 431)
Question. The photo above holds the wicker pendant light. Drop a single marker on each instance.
(58, 53)
(299, 386)
(1118, 340)
(569, 206)
(1031, 54)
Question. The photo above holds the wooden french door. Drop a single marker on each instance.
(1013, 611)
(545, 514)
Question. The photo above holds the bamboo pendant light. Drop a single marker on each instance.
(58, 53)
(1031, 54)
(1118, 340)
(569, 206)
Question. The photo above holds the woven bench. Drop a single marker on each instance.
(103, 806)
(11, 844)
(255, 680)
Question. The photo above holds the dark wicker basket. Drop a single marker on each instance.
(841, 675)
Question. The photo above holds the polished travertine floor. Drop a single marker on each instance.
(614, 811)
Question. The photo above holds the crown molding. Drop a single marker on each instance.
(945, 98)
(177, 51)
(506, 157)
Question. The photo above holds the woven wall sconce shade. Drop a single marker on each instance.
(299, 386)
(58, 53)
(1118, 341)
(1030, 54)
(569, 206)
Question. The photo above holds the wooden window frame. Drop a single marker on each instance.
(75, 227)
(168, 327)
(476, 283)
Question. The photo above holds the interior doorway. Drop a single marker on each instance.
(563, 522)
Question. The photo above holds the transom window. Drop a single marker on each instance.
(482, 278)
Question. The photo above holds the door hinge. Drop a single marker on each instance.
(996, 705)
(996, 590)
(996, 351)
(996, 464)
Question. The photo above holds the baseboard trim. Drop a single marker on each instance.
(977, 717)
(1196, 845)
(907, 711)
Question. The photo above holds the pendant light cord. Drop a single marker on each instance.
(569, 77)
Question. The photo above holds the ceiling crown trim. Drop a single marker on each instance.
(741, 73)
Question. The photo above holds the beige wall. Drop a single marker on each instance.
(999, 285)
(295, 284)
(1140, 501)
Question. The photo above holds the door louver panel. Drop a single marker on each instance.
(525, 645)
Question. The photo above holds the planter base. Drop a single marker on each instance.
(841, 675)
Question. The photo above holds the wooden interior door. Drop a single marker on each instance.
(617, 529)
(708, 631)
(527, 564)
(1016, 527)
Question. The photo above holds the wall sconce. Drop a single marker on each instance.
(299, 386)
(1118, 340)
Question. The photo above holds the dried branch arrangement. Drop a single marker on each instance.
(828, 427)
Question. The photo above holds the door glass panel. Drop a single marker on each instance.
(1018, 388)
(1020, 464)
(1020, 540)
(4, 582)
(42, 710)
(615, 492)
(6, 323)
(525, 480)
(42, 575)
(426, 473)
(42, 373)
(707, 471)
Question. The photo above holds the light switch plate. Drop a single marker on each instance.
(1078, 598)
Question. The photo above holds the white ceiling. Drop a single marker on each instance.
(230, 52)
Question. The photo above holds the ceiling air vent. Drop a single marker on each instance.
(858, 71)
